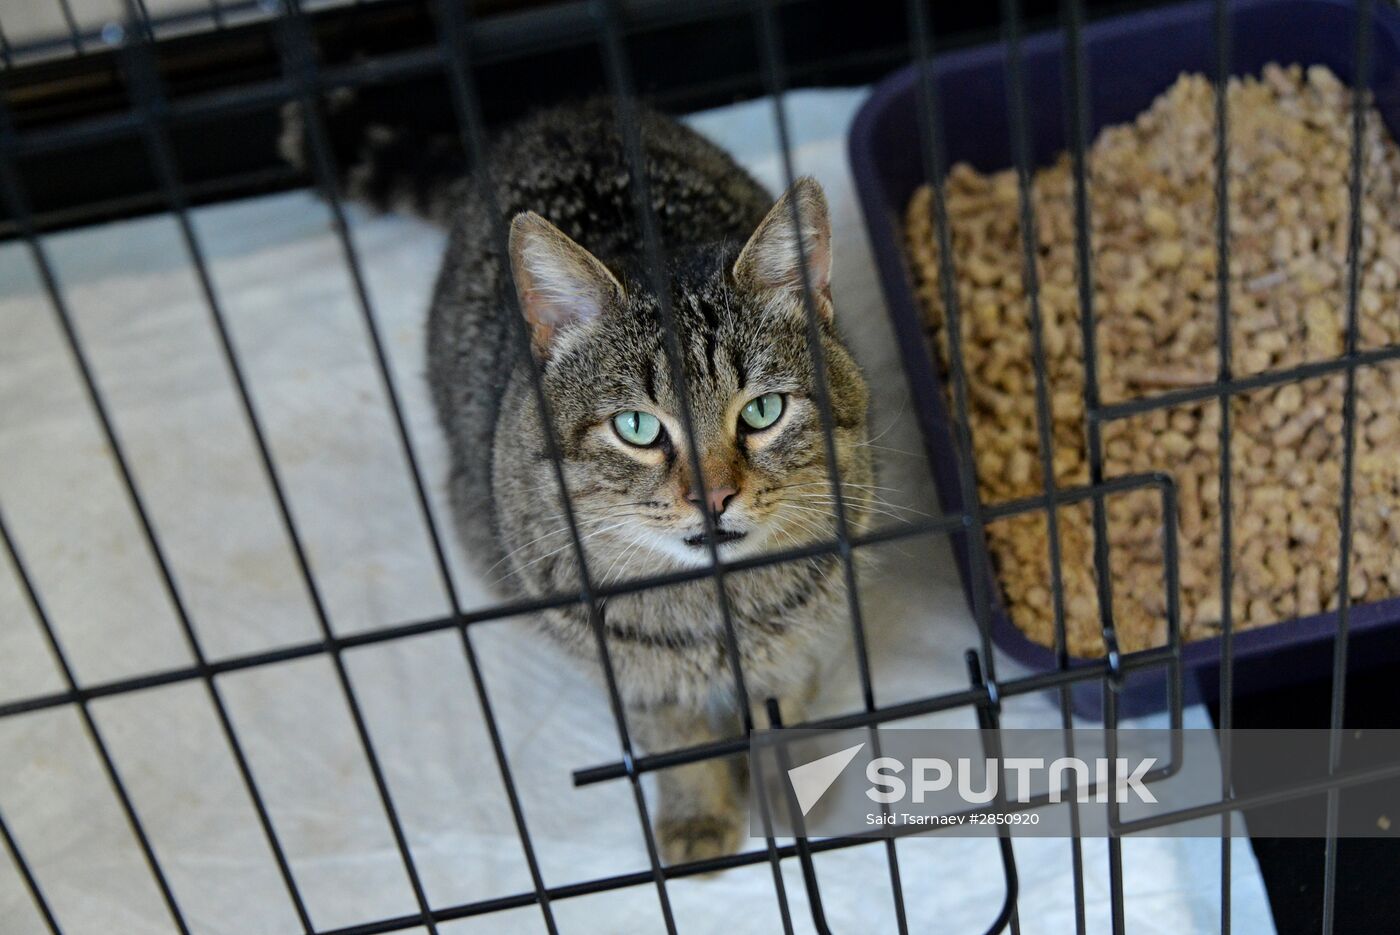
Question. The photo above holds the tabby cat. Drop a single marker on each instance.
(735, 285)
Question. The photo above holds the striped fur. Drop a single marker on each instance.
(741, 327)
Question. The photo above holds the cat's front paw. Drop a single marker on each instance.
(698, 837)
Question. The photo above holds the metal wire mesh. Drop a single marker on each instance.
(304, 80)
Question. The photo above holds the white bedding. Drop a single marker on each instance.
(279, 275)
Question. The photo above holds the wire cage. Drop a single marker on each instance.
(458, 43)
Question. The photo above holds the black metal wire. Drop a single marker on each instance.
(620, 82)
(624, 97)
(140, 18)
(31, 883)
(497, 612)
(1062, 497)
(749, 858)
(17, 204)
(770, 842)
(295, 54)
(988, 723)
(1084, 263)
(1226, 404)
(930, 121)
(1117, 906)
(1360, 88)
(146, 89)
(930, 126)
(1261, 799)
(99, 745)
(564, 25)
(75, 35)
(1044, 415)
(454, 601)
(975, 695)
(196, 109)
(770, 51)
(622, 881)
(300, 61)
(1239, 386)
(931, 149)
(811, 884)
(453, 32)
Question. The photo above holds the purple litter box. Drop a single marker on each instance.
(1130, 60)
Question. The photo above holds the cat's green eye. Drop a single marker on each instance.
(637, 428)
(763, 411)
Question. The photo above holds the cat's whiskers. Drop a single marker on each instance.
(865, 502)
(898, 451)
(787, 534)
(576, 496)
(903, 404)
(850, 491)
(844, 483)
(794, 505)
(808, 526)
(582, 539)
(871, 506)
(651, 541)
(855, 497)
(619, 561)
(567, 545)
(814, 560)
(877, 507)
(818, 535)
(561, 528)
(583, 521)
(619, 564)
(871, 511)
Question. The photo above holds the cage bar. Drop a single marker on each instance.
(31, 883)
(621, 84)
(770, 44)
(1020, 144)
(99, 745)
(1361, 81)
(1224, 372)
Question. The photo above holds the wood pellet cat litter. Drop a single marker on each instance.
(1152, 191)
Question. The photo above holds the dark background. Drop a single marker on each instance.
(685, 55)
(1368, 869)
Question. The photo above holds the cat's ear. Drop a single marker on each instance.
(771, 261)
(559, 283)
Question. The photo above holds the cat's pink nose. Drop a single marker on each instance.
(720, 498)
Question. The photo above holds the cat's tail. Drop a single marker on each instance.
(389, 161)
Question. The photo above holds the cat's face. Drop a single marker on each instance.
(741, 326)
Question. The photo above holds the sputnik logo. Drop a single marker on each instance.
(811, 780)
